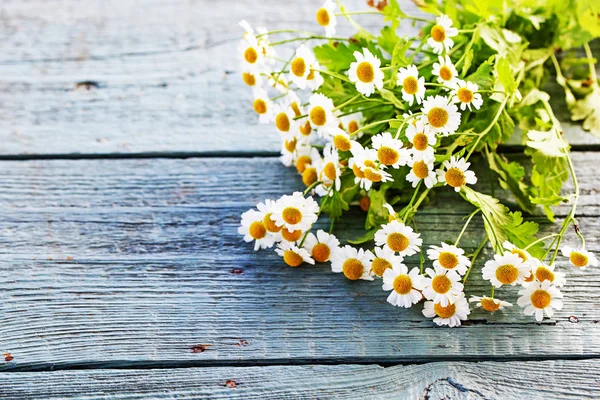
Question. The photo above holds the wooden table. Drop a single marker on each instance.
(128, 152)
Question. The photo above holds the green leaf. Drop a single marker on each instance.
(377, 213)
(391, 97)
(367, 237)
(510, 176)
(549, 143)
(336, 58)
(334, 205)
(483, 77)
(553, 200)
(393, 13)
(387, 39)
(399, 58)
(521, 234)
(588, 110)
(506, 75)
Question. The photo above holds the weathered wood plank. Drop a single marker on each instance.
(165, 76)
(131, 262)
(575, 380)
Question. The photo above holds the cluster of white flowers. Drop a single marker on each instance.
(322, 143)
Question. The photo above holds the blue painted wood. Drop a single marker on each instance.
(560, 379)
(134, 262)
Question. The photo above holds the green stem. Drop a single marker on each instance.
(312, 186)
(540, 240)
(344, 104)
(474, 257)
(590, 56)
(571, 215)
(314, 37)
(283, 31)
(465, 226)
(339, 76)
(384, 121)
(356, 13)
(489, 128)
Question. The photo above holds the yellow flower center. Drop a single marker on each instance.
(464, 95)
(380, 265)
(455, 177)
(530, 277)
(438, 33)
(257, 230)
(507, 274)
(373, 174)
(282, 122)
(291, 215)
(420, 169)
(420, 141)
(318, 116)
(387, 155)
(489, 304)
(397, 242)
(444, 312)
(249, 79)
(522, 255)
(410, 85)
(441, 284)
(329, 171)
(402, 284)
(437, 117)
(309, 176)
(544, 274)
(260, 106)
(353, 269)
(296, 109)
(448, 260)
(292, 258)
(321, 252)
(270, 224)
(302, 162)
(291, 236)
(540, 299)
(446, 73)
(357, 171)
(365, 72)
(305, 128)
(578, 259)
(323, 17)
(311, 75)
(298, 67)
(352, 126)
(369, 163)
(250, 55)
(290, 145)
(341, 142)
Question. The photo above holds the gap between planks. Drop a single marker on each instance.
(182, 364)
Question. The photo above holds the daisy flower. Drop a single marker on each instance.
(505, 269)
(302, 69)
(266, 209)
(405, 286)
(456, 173)
(523, 254)
(441, 34)
(465, 94)
(449, 257)
(320, 113)
(330, 170)
(450, 314)
(443, 118)
(295, 212)
(326, 17)
(279, 82)
(306, 155)
(421, 138)
(543, 272)
(252, 79)
(262, 105)
(292, 147)
(351, 123)
(340, 139)
(253, 228)
(293, 255)
(580, 258)
(421, 168)
(392, 214)
(390, 151)
(445, 71)
(354, 263)
(399, 238)
(540, 298)
(413, 87)
(251, 55)
(443, 286)
(321, 246)
(283, 115)
(366, 72)
(384, 260)
(311, 173)
(490, 304)
(365, 168)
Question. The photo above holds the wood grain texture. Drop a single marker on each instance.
(132, 262)
(164, 75)
(576, 380)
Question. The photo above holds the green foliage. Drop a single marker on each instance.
(334, 205)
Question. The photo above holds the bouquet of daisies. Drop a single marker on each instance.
(383, 120)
